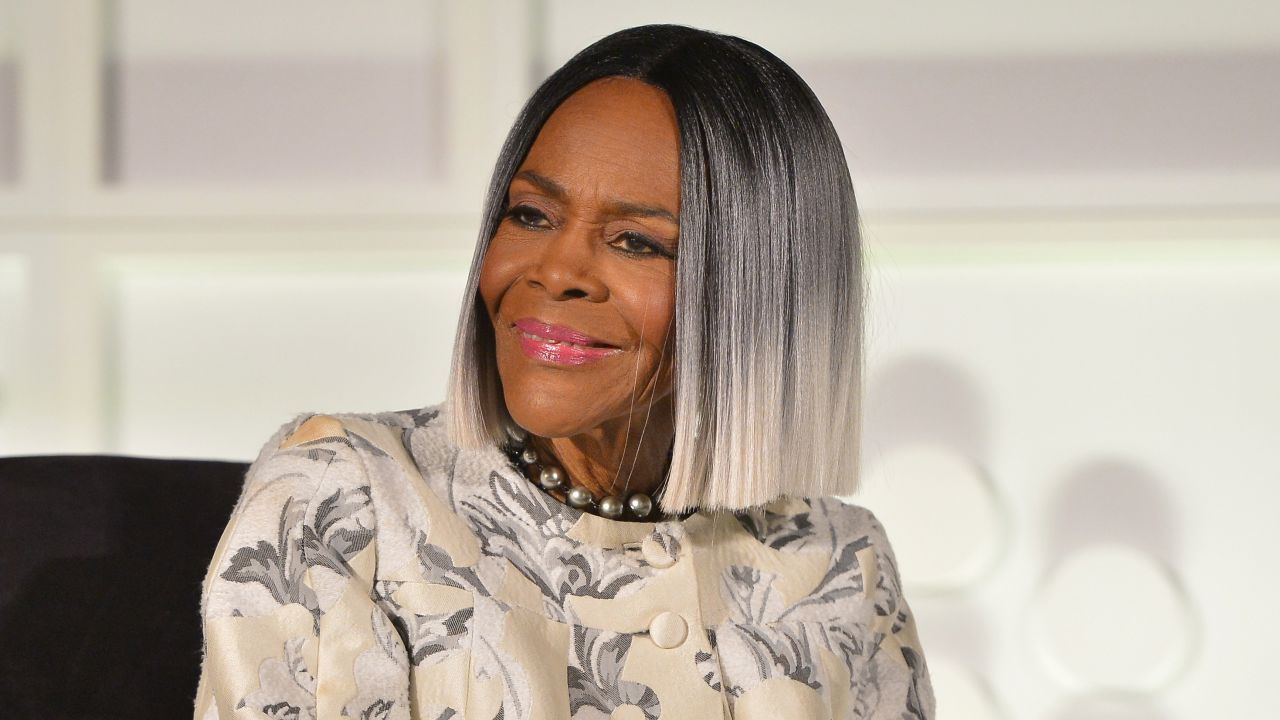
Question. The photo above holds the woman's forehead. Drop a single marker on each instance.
(616, 137)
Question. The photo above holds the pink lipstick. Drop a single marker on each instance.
(560, 344)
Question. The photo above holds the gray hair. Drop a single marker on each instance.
(769, 277)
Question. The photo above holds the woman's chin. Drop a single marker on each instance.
(547, 415)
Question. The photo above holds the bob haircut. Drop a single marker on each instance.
(769, 284)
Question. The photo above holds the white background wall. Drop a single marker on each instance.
(210, 210)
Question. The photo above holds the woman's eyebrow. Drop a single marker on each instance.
(619, 207)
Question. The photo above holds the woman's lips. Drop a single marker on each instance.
(545, 330)
(559, 344)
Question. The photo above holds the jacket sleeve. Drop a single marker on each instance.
(896, 666)
(291, 625)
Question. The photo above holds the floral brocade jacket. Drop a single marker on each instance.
(379, 572)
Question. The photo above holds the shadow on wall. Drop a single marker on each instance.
(1110, 617)
(1112, 501)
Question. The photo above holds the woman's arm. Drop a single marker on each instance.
(291, 627)
(896, 664)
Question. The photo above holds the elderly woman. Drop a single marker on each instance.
(629, 503)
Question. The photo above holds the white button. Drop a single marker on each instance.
(655, 554)
(668, 629)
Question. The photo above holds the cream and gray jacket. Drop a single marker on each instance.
(377, 571)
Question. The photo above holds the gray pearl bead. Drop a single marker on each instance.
(611, 506)
(517, 433)
(640, 504)
(551, 477)
(578, 497)
(528, 456)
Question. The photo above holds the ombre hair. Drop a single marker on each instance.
(769, 279)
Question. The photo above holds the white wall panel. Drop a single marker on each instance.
(1002, 104)
(861, 29)
(14, 321)
(7, 17)
(238, 92)
(1164, 130)
(1125, 410)
(210, 355)
(8, 96)
(299, 29)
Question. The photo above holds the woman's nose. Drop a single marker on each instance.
(566, 266)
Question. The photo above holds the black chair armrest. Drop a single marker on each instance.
(101, 563)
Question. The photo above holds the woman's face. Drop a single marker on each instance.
(588, 246)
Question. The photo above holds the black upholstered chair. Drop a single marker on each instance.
(101, 564)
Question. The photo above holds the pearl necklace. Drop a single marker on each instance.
(637, 505)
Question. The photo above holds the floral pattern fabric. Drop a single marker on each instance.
(380, 572)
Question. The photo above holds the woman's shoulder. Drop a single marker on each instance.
(859, 537)
(332, 484)
(324, 452)
(848, 544)
(827, 523)
(381, 433)
(312, 425)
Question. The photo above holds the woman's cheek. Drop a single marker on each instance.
(496, 275)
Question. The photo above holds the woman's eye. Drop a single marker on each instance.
(636, 244)
(527, 216)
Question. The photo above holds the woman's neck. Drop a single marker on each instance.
(627, 465)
